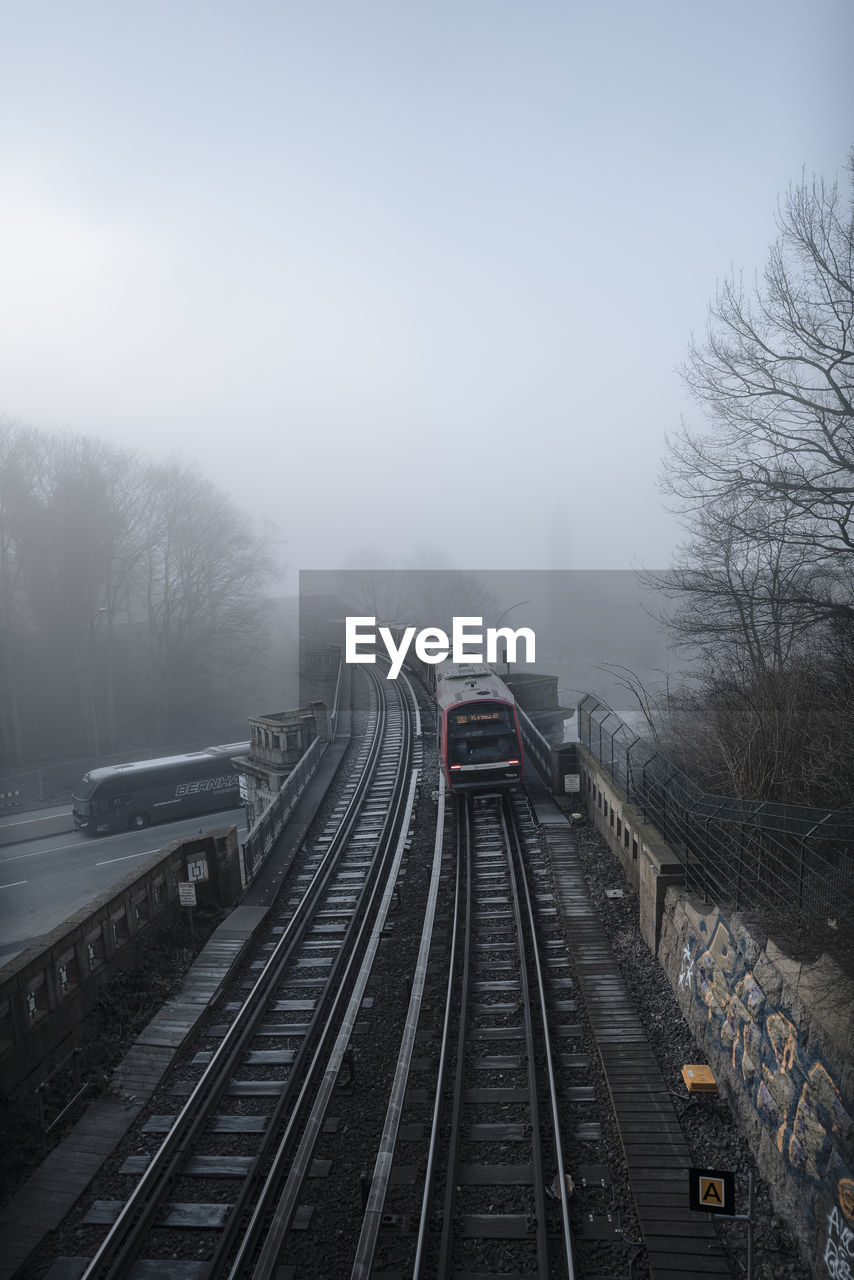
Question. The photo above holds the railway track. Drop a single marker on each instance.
(251, 1098)
(492, 1180)
(377, 1100)
(479, 1111)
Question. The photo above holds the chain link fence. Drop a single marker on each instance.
(747, 854)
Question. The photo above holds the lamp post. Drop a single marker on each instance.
(93, 700)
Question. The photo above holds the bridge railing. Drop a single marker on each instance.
(535, 743)
(259, 842)
(557, 762)
(751, 854)
(333, 715)
(266, 831)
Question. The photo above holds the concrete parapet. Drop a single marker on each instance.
(651, 866)
(47, 991)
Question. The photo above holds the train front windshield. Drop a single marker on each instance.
(481, 733)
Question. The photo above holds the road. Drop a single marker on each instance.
(44, 880)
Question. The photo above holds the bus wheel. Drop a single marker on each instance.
(138, 820)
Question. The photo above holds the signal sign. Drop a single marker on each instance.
(711, 1191)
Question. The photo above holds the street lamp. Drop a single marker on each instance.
(93, 700)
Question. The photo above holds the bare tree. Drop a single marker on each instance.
(372, 593)
(204, 569)
(775, 375)
(763, 589)
(744, 597)
(420, 597)
(79, 559)
(19, 454)
(434, 597)
(117, 580)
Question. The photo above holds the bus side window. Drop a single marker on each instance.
(118, 801)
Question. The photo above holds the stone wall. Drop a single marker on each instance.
(779, 1035)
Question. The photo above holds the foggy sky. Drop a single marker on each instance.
(452, 250)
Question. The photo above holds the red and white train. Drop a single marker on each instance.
(477, 728)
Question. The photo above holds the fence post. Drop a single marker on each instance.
(752, 844)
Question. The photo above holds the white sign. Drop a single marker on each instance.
(198, 869)
(186, 893)
(572, 782)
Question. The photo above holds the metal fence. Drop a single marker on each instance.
(535, 742)
(260, 840)
(749, 854)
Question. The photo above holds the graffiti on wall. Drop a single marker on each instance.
(686, 973)
(792, 1090)
(839, 1247)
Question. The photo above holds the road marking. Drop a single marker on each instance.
(13, 885)
(142, 853)
(39, 853)
(25, 822)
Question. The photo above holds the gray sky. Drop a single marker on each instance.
(455, 250)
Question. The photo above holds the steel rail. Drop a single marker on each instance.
(444, 1052)
(286, 1196)
(372, 1220)
(118, 1250)
(550, 1068)
(532, 989)
(252, 1230)
(447, 1234)
(314, 1040)
(527, 1018)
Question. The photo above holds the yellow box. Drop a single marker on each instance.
(699, 1079)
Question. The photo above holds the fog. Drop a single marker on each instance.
(411, 283)
(597, 631)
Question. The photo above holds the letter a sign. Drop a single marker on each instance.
(711, 1191)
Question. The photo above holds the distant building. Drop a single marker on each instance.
(277, 742)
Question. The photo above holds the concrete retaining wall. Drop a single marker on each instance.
(650, 865)
(48, 991)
